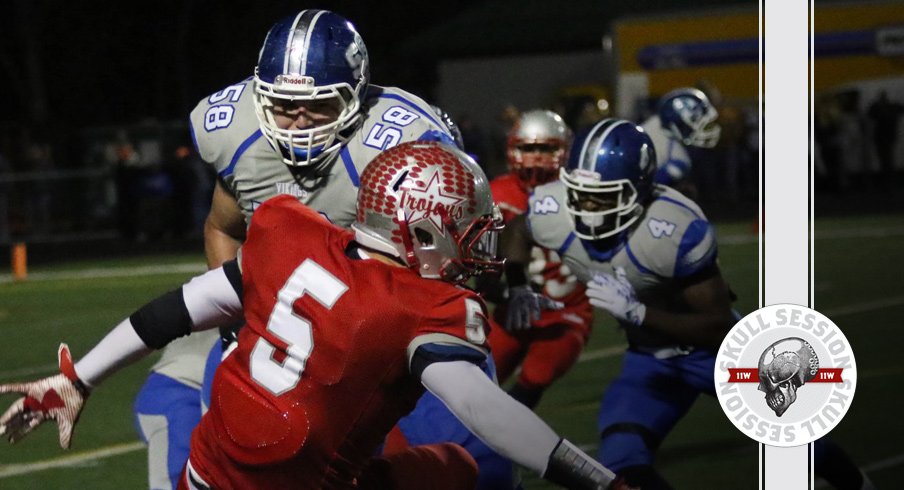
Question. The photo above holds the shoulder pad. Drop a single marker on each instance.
(547, 218)
(674, 238)
(391, 116)
(223, 122)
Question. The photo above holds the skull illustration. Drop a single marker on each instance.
(784, 367)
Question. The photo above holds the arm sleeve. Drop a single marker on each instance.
(454, 330)
(505, 425)
(121, 347)
(215, 297)
(697, 251)
(204, 302)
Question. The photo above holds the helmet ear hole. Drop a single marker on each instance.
(424, 237)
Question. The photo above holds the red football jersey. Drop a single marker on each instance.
(321, 371)
(546, 267)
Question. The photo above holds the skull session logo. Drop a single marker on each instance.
(785, 375)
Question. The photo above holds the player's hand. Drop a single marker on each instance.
(524, 307)
(616, 295)
(60, 397)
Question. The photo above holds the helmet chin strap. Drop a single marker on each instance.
(413, 263)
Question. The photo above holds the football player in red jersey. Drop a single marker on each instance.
(536, 148)
(345, 329)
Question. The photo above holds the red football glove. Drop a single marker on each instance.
(60, 397)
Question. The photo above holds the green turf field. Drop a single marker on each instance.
(858, 265)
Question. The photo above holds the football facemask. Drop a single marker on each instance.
(315, 58)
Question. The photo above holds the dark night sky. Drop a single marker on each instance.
(66, 65)
(104, 62)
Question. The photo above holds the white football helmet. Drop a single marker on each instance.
(429, 204)
(537, 146)
(689, 117)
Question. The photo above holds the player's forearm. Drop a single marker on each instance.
(705, 329)
(224, 228)
(204, 302)
(504, 424)
(509, 427)
(118, 349)
(219, 246)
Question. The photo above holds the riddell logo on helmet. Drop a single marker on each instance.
(432, 203)
(294, 81)
(785, 375)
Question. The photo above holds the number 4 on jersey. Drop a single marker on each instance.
(658, 228)
(546, 205)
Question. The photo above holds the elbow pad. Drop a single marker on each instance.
(162, 320)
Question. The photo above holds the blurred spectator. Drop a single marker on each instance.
(885, 116)
(5, 187)
(851, 136)
(192, 188)
(729, 150)
(750, 153)
(505, 120)
(827, 114)
(39, 160)
(474, 140)
(128, 176)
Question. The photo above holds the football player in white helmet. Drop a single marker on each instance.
(537, 146)
(305, 124)
(345, 329)
(684, 118)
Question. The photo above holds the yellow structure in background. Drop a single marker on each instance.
(854, 42)
(733, 80)
(879, 18)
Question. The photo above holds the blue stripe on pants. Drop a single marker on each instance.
(180, 404)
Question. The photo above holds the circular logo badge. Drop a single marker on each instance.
(785, 375)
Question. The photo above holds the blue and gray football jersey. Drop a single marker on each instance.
(254, 172)
(672, 160)
(671, 240)
(228, 136)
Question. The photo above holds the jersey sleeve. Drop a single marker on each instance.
(455, 329)
(676, 165)
(548, 221)
(697, 250)
(220, 122)
(395, 116)
(511, 200)
(674, 239)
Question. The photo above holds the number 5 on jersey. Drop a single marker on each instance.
(280, 377)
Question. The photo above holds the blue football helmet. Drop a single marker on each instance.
(609, 178)
(689, 117)
(315, 55)
(457, 140)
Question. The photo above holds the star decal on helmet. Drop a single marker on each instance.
(431, 203)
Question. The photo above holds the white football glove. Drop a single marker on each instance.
(524, 306)
(60, 397)
(616, 295)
